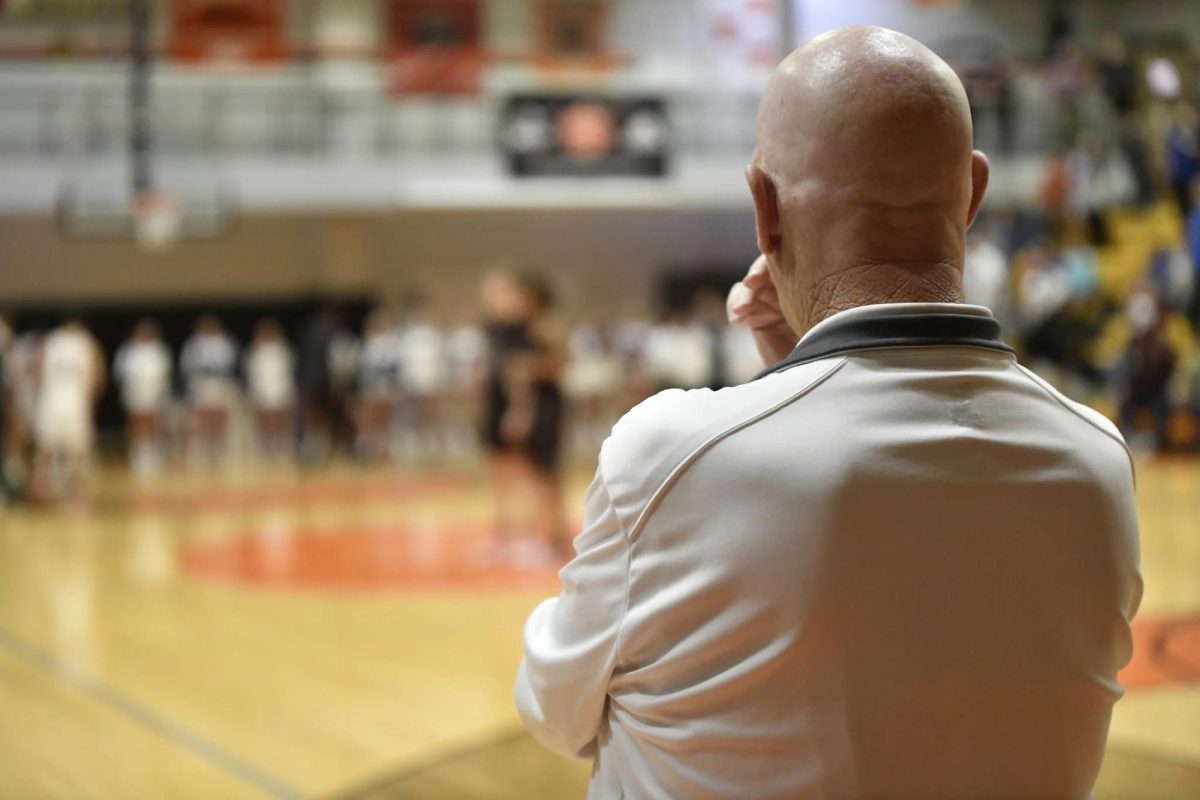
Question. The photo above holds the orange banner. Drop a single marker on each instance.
(434, 46)
(228, 31)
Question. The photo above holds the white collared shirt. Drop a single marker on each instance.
(893, 570)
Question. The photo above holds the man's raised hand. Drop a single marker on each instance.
(754, 302)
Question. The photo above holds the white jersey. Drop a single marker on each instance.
(270, 376)
(424, 358)
(380, 365)
(143, 370)
(66, 382)
(22, 376)
(596, 367)
(897, 565)
(467, 350)
(680, 355)
(209, 364)
(742, 360)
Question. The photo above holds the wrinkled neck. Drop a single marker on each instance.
(877, 282)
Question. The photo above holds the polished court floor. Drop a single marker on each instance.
(347, 634)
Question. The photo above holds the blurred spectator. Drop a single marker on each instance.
(1118, 76)
(1055, 316)
(71, 373)
(1099, 180)
(1193, 245)
(985, 273)
(1183, 155)
(142, 369)
(21, 373)
(6, 405)
(271, 388)
(1146, 369)
(1066, 76)
(209, 367)
(986, 69)
(1132, 142)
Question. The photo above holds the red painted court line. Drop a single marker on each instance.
(354, 558)
(1166, 652)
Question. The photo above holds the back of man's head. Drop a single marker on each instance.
(864, 179)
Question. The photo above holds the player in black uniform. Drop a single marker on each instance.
(523, 416)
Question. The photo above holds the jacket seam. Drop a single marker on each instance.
(1035, 380)
(628, 569)
(677, 472)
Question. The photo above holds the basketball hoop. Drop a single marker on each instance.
(157, 220)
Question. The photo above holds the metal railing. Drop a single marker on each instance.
(51, 112)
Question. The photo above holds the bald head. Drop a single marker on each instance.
(864, 175)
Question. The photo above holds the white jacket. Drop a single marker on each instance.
(896, 565)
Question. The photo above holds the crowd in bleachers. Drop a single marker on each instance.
(1098, 282)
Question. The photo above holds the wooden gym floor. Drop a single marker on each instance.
(341, 635)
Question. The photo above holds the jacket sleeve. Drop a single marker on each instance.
(571, 640)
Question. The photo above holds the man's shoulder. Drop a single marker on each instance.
(1101, 427)
(661, 437)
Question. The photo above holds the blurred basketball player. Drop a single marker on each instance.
(142, 368)
(424, 355)
(71, 373)
(523, 418)
(21, 375)
(466, 367)
(379, 374)
(209, 366)
(271, 386)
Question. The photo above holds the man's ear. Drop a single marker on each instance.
(766, 209)
(980, 172)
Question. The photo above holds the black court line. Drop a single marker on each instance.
(391, 778)
(137, 712)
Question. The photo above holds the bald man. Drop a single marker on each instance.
(896, 564)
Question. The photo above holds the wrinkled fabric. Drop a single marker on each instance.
(903, 572)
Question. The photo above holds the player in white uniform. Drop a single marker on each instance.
(71, 375)
(379, 386)
(679, 353)
(466, 358)
(143, 370)
(423, 348)
(271, 385)
(593, 381)
(209, 366)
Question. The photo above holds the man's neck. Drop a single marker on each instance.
(879, 282)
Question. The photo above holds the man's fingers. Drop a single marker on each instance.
(740, 297)
(758, 276)
(760, 318)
